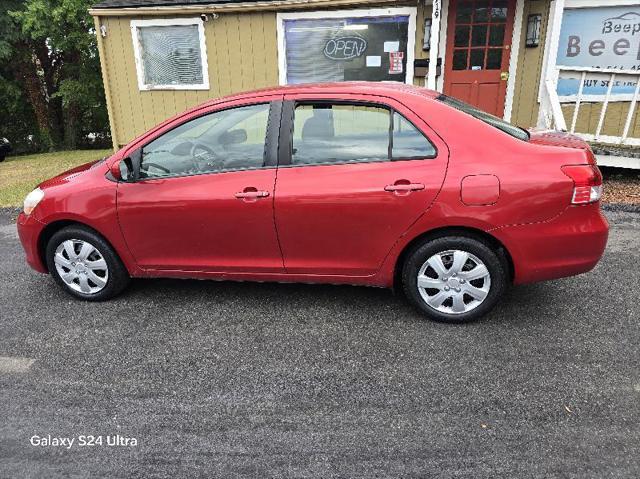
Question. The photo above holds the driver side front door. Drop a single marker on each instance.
(203, 201)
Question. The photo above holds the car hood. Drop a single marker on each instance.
(557, 138)
(68, 175)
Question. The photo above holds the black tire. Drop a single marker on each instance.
(419, 255)
(2, 158)
(118, 277)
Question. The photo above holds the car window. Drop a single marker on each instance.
(340, 132)
(225, 140)
(408, 141)
(488, 118)
(325, 133)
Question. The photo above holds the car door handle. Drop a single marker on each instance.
(251, 194)
(404, 187)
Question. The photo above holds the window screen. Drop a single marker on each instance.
(170, 55)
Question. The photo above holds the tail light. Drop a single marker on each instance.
(587, 183)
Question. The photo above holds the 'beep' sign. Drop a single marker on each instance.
(600, 37)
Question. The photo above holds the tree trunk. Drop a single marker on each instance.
(71, 133)
(27, 73)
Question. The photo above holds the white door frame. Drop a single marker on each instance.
(518, 21)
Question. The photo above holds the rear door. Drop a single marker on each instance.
(354, 173)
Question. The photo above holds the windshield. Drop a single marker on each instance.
(494, 121)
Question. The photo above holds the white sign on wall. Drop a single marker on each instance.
(600, 37)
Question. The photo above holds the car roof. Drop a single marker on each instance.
(390, 89)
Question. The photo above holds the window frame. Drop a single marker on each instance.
(285, 144)
(409, 11)
(169, 22)
(133, 159)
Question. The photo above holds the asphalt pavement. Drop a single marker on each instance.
(220, 379)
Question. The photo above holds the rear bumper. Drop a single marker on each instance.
(29, 230)
(570, 244)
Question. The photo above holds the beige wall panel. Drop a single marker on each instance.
(223, 25)
(270, 49)
(423, 12)
(115, 51)
(525, 100)
(241, 53)
(239, 80)
(256, 27)
(589, 116)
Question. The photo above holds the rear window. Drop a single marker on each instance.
(494, 121)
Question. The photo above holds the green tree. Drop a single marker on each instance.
(50, 48)
(18, 120)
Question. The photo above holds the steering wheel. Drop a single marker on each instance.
(204, 158)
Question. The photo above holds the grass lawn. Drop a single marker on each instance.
(20, 174)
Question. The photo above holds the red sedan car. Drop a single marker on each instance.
(364, 183)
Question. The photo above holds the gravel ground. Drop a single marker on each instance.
(621, 186)
(229, 380)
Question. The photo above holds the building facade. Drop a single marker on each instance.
(567, 64)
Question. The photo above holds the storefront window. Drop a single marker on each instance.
(347, 48)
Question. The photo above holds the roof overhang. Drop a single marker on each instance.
(232, 7)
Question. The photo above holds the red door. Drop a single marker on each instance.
(340, 217)
(478, 49)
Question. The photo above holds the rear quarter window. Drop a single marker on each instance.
(494, 121)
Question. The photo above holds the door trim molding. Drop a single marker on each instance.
(513, 59)
(442, 48)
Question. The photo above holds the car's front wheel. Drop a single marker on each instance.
(85, 265)
(454, 279)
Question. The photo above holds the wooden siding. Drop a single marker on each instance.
(526, 106)
(525, 99)
(423, 12)
(241, 54)
(614, 120)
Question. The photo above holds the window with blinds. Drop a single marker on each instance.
(170, 56)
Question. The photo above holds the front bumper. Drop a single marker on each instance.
(572, 243)
(29, 230)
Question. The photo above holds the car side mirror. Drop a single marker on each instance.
(128, 168)
(115, 170)
(122, 170)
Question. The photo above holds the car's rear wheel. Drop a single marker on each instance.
(85, 265)
(454, 279)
